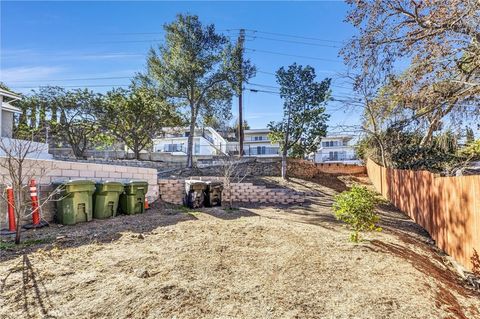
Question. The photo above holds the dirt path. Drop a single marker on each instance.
(257, 262)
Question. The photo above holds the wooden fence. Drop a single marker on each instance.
(447, 207)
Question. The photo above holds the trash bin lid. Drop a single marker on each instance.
(214, 183)
(131, 187)
(79, 185)
(194, 183)
(79, 182)
(136, 183)
(109, 186)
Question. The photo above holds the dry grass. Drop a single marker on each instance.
(256, 262)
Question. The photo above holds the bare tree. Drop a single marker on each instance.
(232, 172)
(19, 163)
(440, 39)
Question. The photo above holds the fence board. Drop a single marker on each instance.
(447, 207)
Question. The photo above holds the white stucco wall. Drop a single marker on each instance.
(7, 124)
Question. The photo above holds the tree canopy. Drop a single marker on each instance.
(304, 118)
(137, 115)
(194, 69)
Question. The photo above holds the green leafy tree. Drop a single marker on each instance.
(78, 121)
(471, 151)
(304, 119)
(356, 207)
(136, 115)
(193, 70)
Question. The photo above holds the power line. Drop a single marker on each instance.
(262, 91)
(141, 41)
(78, 79)
(295, 42)
(277, 87)
(74, 86)
(292, 55)
(254, 31)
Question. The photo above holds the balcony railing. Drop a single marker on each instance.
(338, 158)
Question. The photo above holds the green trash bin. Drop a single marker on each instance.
(75, 202)
(105, 200)
(132, 200)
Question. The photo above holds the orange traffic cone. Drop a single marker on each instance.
(147, 206)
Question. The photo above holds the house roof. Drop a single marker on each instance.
(257, 130)
(9, 94)
(10, 108)
(343, 137)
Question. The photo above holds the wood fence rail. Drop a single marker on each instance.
(447, 207)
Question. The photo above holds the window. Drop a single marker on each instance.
(259, 138)
(332, 143)
(261, 150)
(173, 147)
(333, 156)
(197, 148)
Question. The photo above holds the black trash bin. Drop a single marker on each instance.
(213, 194)
(194, 193)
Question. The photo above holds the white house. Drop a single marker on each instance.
(257, 143)
(8, 111)
(206, 141)
(336, 148)
(6, 126)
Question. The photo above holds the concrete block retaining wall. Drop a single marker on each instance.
(52, 171)
(173, 190)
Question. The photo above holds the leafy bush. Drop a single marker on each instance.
(356, 207)
(472, 150)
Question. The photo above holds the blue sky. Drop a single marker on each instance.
(72, 43)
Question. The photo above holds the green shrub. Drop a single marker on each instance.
(472, 150)
(356, 207)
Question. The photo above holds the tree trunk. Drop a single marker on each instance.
(18, 208)
(190, 138)
(136, 151)
(284, 165)
(33, 116)
(426, 139)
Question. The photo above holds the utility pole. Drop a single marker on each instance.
(241, 40)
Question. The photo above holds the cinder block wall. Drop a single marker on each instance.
(51, 171)
(173, 190)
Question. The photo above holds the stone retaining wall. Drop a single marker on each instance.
(173, 190)
(306, 169)
(52, 171)
(271, 167)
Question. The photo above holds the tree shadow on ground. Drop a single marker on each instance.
(95, 231)
(228, 214)
(34, 295)
(112, 229)
(431, 268)
(394, 221)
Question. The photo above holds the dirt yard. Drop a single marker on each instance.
(255, 262)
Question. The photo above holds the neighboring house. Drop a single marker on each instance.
(257, 143)
(206, 141)
(6, 121)
(336, 148)
(7, 113)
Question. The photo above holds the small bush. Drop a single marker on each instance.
(356, 207)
